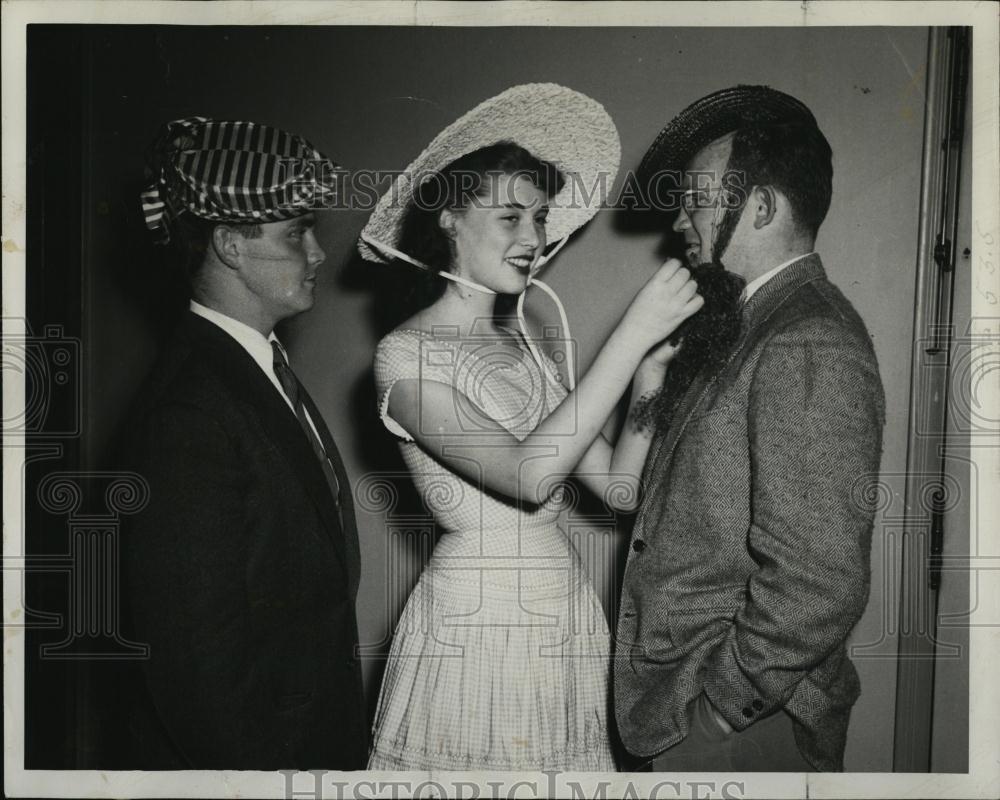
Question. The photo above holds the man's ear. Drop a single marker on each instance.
(227, 245)
(764, 204)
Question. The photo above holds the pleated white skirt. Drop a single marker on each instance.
(497, 663)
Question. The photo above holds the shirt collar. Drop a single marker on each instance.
(252, 340)
(760, 280)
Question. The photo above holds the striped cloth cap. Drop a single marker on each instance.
(232, 172)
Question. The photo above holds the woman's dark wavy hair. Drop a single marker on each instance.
(462, 181)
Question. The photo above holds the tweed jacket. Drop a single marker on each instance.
(749, 560)
(241, 573)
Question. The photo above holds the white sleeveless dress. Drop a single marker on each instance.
(500, 660)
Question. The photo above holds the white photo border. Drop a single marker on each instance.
(983, 779)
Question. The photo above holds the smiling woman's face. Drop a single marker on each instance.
(500, 235)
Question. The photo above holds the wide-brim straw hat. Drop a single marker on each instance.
(712, 117)
(553, 123)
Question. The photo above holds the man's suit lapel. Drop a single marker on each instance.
(756, 312)
(240, 372)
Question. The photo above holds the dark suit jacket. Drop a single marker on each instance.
(241, 573)
(750, 556)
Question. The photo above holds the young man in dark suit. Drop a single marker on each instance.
(749, 562)
(242, 571)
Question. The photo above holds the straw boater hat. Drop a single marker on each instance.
(555, 124)
(714, 116)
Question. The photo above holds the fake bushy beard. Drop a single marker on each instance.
(707, 337)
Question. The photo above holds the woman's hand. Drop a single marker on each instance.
(667, 299)
(661, 355)
(653, 367)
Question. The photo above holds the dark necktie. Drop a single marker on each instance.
(294, 393)
(326, 451)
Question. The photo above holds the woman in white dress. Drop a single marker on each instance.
(500, 660)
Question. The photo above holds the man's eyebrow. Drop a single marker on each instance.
(305, 222)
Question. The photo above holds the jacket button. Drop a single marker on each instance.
(747, 712)
(757, 705)
(638, 545)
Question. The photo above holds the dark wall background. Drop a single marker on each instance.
(373, 97)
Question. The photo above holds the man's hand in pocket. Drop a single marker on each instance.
(711, 712)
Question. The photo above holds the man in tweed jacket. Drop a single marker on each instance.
(749, 562)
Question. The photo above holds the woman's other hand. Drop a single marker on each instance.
(653, 366)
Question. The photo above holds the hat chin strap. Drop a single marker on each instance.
(563, 319)
(392, 251)
(522, 324)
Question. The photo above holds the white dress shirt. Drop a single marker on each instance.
(760, 280)
(256, 344)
